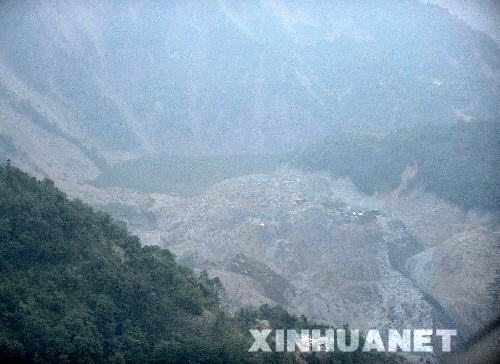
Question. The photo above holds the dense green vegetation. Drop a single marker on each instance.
(185, 176)
(460, 162)
(76, 287)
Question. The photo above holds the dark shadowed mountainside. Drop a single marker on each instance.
(82, 83)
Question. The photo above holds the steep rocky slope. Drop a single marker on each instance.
(297, 240)
(457, 272)
(459, 266)
(318, 246)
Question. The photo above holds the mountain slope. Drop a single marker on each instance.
(77, 288)
(459, 162)
(112, 80)
(317, 245)
(305, 241)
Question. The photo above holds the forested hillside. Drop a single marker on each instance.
(77, 287)
(460, 162)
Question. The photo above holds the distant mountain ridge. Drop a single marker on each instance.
(483, 15)
(105, 81)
